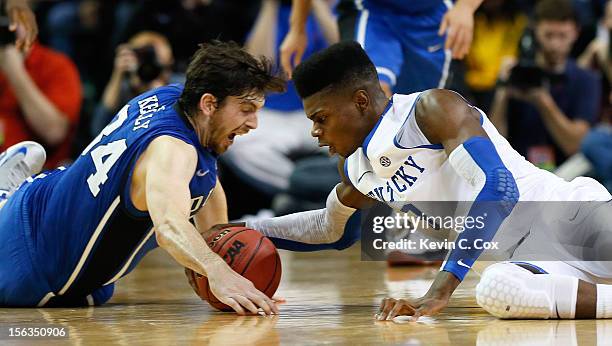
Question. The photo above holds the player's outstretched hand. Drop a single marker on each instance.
(237, 292)
(424, 306)
(458, 24)
(292, 49)
(23, 23)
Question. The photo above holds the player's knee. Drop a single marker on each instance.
(505, 291)
(103, 294)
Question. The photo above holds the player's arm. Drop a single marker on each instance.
(170, 164)
(445, 117)
(337, 226)
(458, 24)
(295, 41)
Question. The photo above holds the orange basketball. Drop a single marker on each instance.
(250, 254)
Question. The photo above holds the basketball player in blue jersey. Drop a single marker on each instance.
(411, 43)
(68, 234)
(433, 146)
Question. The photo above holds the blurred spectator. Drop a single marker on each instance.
(80, 29)
(144, 63)
(597, 56)
(498, 26)
(186, 23)
(40, 99)
(265, 159)
(596, 148)
(548, 103)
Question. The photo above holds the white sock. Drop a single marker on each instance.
(604, 301)
(565, 295)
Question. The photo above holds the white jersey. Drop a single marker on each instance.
(397, 164)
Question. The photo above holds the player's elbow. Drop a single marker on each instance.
(165, 233)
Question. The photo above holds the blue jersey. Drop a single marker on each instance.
(85, 231)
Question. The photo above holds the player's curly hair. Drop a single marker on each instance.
(224, 69)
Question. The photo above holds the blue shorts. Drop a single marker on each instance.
(405, 48)
(21, 284)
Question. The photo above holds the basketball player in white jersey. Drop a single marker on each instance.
(433, 146)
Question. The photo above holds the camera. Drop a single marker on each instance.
(149, 67)
(527, 74)
(6, 36)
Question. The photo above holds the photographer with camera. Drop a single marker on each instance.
(144, 63)
(40, 94)
(545, 104)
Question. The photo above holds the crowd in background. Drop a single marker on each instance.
(542, 75)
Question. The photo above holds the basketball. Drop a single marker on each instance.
(250, 254)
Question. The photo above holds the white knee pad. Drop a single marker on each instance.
(509, 291)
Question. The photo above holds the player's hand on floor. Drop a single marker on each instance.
(458, 24)
(425, 306)
(292, 49)
(237, 292)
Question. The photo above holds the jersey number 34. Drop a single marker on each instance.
(106, 155)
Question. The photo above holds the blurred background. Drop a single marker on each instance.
(543, 79)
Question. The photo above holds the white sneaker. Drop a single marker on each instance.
(17, 163)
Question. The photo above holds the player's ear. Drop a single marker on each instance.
(361, 99)
(208, 104)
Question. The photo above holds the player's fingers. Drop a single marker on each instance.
(234, 305)
(286, 61)
(416, 315)
(297, 59)
(443, 25)
(457, 47)
(464, 46)
(246, 303)
(278, 299)
(386, 307)
(451, 36)
(401, 308)
(262, 303)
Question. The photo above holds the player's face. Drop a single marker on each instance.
(235, 117)
(556, 39)
(336, 122)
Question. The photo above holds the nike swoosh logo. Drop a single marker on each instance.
(361, 177)
(201, 172)
(4, 157)
(460, 262)
(434, 48)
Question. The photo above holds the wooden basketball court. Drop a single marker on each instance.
(331, 298)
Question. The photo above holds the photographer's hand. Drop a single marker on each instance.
(23, 23)
(534, 96)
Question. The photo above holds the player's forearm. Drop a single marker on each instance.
(40, 113)
(299, 14)
(263, 36)
(183, 242)
(444, 285)
(567, 133)
(327, 22)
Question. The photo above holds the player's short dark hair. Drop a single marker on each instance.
(341, 64)
(554, 10)
(224, 69)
